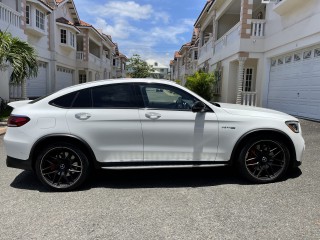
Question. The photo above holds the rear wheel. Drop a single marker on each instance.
(62, 167)
(264, 160)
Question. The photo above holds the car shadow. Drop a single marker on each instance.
(150, 178)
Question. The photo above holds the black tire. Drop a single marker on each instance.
(62, 167)
(264, 160)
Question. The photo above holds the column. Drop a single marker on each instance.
(242, 61)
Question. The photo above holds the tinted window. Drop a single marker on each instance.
(113, 96)
(64, 101)
(83, 99)
(166, 97)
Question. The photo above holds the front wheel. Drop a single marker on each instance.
(62, 167)
(264, 160)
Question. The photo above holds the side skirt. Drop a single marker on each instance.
(153, 165)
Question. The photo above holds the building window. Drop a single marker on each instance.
(307, 54)
(156, 64)
(288, 59)
(273, 62)
(317, 52)
(72, 43)
(82, 78)
(114, 62)
(297, 57)
(39, 19)
(63, 36)
(195, 55)
(28, 14)
(280, 61)
(247, 79)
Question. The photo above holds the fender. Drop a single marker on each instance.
(265, 130)
(63, 135)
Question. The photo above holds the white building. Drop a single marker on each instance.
(69, 50)
(160, 71)
(266, 54)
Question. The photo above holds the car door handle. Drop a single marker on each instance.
(152, 115)
(82, 116)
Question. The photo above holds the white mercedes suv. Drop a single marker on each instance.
(145, 123)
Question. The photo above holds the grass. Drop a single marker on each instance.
(6, 113)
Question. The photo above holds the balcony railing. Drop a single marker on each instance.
(258, 28)
(249, 99)
(80, 55)
(228, 38)
(94, 59)
(9, 15)
(206, 48)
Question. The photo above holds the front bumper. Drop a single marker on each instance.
(18, 163)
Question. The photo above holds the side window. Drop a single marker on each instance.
(64, 101)
(114, 96)
(161, 96)
(83, 99)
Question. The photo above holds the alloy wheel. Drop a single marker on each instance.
(61, 167)
(265, 160)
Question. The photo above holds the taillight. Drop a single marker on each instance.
(17, 121)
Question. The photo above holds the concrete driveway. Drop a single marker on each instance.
(211, 203)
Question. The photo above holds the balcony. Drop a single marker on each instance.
(10, 21)
(258, 28)
(249, 99)
(206, 50)
(80, 55)
(228, 39)
(285, 6)
(94, 59)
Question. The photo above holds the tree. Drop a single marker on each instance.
(20, 55)
(137, 68)
(201, 83)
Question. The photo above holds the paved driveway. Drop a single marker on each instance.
(166, 204)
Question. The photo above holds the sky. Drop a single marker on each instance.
(154, 29)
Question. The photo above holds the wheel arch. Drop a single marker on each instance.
(54, 138)
(275, 133)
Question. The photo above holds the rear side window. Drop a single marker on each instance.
(64, 101)
(83, 99)
(114, 96)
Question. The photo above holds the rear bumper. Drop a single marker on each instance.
(18, 163)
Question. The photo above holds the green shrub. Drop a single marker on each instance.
(201, 83)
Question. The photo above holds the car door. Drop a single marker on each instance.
(107, 118)
(171, 131)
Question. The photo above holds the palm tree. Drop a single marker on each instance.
(20, 55)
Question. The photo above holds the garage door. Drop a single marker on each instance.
(294, 85)
(37, 87)
(64, 78)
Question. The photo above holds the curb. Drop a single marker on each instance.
(3, 130)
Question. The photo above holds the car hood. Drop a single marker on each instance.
(243, 110)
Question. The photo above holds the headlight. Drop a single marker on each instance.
(294, 126)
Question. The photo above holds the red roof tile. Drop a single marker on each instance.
(177, 55)
(67, 22)
(84, 24)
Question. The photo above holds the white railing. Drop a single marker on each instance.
(106, 61)
(9, 15)
(249, 99)
(15, 91)
(94, 59)
(228, 38)
(205, 49)
(80, 55)
(258, 27)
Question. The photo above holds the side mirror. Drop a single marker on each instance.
(198, 107)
